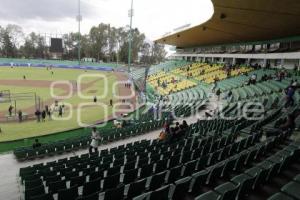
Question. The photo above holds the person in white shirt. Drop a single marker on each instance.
(95, 140)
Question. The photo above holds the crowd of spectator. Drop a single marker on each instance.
(171, 134)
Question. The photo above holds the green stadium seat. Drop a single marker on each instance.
(292, 189)
(228, 190)
(280, 196)
(246, 183)
(211, 195)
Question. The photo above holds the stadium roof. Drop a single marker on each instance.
(238, 21)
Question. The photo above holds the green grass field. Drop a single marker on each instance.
(89, 114)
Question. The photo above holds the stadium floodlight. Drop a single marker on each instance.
(130, 15)
(79, 19)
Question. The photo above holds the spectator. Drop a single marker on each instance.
(20, 116)
(253, 79)
(185, 125)
(46, 108)
(60, 111)
(49, 114)
(287, 125)
(164, 133)
(228, 95)
(295, 84)
(38, 115)
(95, 140)
(36, 144)
(44, 115)
(176, 126)
(218, 93)
(10, 109)
(290, 97)
(172, 135)
(214, 87)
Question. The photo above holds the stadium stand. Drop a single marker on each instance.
(205, 162)
(241, 52)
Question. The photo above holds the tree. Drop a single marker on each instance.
(99, 40)
(112, 43)
(41, 47)
(137, 43)
(28, 49)
(1, 40)
(71, 45)
(16, 34)
(8, 46)
(146, 54)
(158, 53)
(103, 42)
(34, 46)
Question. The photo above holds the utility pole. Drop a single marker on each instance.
(130, 14)
(79, 18)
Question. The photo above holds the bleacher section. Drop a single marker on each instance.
(208, 72)
(167, 66)
(184, 103)
(165, 83)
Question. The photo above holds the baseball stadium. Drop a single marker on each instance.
(207, 111)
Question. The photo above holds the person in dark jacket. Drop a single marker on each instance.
(44, 115)
(36, 144)
(20, 116)
(38, 115)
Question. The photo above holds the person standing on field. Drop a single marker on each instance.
(49, 114)
(10, 109)
(20, 116)
(60, 111)
(38, 115)
(44, 115)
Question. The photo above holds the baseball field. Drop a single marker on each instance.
(31, 88)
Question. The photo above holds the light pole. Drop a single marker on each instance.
(79, 18)
(130, 14)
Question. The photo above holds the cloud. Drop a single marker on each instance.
(152, 17)
(47, 10)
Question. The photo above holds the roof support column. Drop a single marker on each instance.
(233, 61)
(265, 63)
(248, 61)
(282, 62)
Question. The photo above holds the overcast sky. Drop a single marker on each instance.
(153, 17)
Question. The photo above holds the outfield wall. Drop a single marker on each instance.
(59, 64)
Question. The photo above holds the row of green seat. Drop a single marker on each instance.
(109, 135)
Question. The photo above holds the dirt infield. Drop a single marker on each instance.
(125, 91)
(122, 91)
